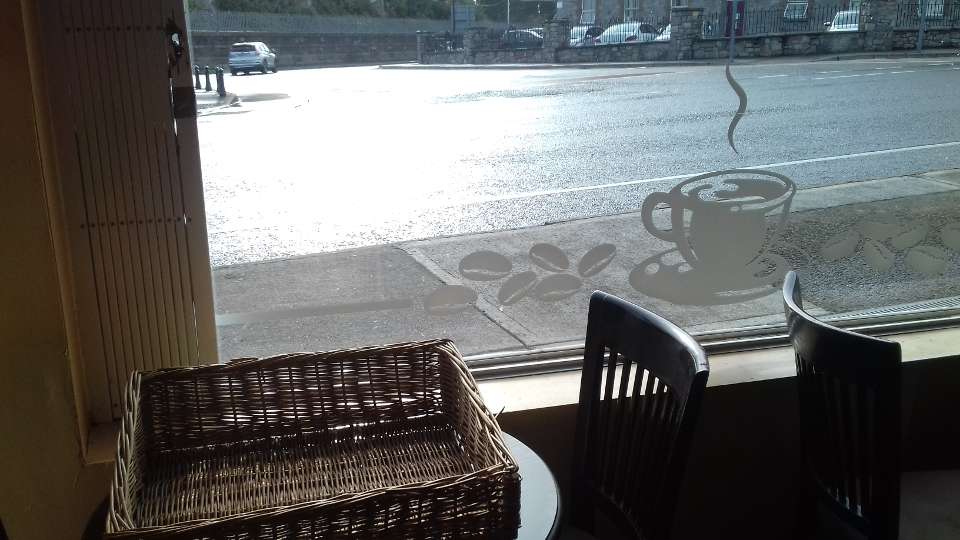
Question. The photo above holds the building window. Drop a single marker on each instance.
(631, 10)
(588, 13)
(795, 11)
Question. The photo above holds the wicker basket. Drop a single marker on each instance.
(376, 442)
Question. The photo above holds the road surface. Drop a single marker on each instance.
(326, 159)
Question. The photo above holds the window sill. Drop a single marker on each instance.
(514, 394)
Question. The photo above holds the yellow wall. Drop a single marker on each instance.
(45, 490)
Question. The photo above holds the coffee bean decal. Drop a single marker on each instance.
(879, 242)
(950, 235)
(910, 238)
(449, 299)
(549, 257)
(877, 255)
(517, 287)
(557, 287)
(485, 265)
(596, 260)
(840, 245)
(928, 260)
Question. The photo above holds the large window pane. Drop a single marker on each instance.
(360, 205)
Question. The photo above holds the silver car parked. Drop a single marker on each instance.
(251, 56)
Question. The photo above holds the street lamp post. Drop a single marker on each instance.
(923, 23)
(734, 13)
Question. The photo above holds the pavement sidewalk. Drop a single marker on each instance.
(897, 247)
(211, 101)
(929, 53)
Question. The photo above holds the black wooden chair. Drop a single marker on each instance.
(849, 388)
(640, 394)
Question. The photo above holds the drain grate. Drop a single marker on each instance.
(951, 303)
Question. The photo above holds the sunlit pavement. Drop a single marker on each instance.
(316, 161)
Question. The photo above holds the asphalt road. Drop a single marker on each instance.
(327, 159)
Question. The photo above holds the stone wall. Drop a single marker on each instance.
(637, 52)
(310, 50)
(687, 42)
(932, 39)
(781, 45)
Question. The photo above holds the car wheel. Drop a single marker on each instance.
(263, 68)
(233, 72)
(245, 72)
(276, 67)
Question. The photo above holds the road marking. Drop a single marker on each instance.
(579, 189)
(771, 76)
(905, 71)
(891, 67)
(848, 76)
(834, 71)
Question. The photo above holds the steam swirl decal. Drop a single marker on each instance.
(741, 110)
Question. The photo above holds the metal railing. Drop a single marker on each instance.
(761, 22)
(938, 14)
(443, 42)
(236, 21)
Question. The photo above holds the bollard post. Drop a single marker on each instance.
(206, 72)
(221, 87)
(196, 75)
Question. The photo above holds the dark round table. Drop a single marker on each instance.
(539, 498)
(539, 495)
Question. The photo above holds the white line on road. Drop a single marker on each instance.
(905, 71)
(771, 76)
(834, 71)
(848, 76)
(578, 189)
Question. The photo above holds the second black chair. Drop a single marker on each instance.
(849, 399)
(641, 390)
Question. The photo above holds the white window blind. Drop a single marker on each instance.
(129, 174)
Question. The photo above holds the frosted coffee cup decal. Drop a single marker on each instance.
(721, 227)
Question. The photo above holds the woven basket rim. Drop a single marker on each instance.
(118, 518)
(247, 364)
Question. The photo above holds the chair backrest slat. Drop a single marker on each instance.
(849, 397)
(641, 388)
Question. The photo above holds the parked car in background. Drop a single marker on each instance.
(664, 34)
(584, 35)
(628, 32)
(844, 21)
(251, 56)
(521, 39)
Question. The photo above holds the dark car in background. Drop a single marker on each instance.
(252, 56)
(521, 39)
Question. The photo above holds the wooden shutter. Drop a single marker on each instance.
(130, 182)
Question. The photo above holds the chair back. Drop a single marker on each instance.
(849, 400)
(641, 389)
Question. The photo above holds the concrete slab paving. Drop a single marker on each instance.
(539, 295)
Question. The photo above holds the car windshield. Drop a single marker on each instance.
(242, 48)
